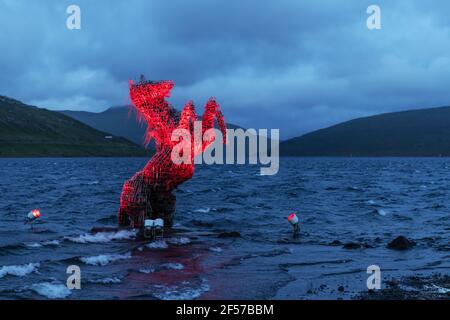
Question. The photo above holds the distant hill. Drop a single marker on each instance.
(120, 121)
(423, 132)
(30, 131)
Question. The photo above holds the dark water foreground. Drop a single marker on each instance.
(365, 202)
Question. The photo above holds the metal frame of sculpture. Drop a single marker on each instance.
(148, 194)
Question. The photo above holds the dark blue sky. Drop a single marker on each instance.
(294, 65)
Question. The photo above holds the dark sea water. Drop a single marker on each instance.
(368, 201)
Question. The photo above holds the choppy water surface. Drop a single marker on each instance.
(365, 201)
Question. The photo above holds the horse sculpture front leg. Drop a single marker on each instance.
(211, 113)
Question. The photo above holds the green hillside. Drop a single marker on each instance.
(27, 131)
(422, 132)
(120, 121)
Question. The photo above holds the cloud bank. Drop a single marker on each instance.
(293, 65)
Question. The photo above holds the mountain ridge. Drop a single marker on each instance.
(29, 131)
(119, 120)
(415, 132)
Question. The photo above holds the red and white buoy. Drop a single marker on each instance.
(33, 215)
(294, 221)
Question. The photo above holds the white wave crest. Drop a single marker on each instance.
(182, 293)
(102, 237)
(438, 289)
(203, 210)
(106, 280)
(173, 266)
(51, 290)
(160, 244)
(104, 259)
(18, 271)
(52, 243)
(34, 245)
(147, 270)
(179, 240)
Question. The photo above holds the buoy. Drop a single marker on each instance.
(33, 215)
(293, 220)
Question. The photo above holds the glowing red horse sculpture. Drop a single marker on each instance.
(148, 194)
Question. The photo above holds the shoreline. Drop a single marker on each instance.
(433, 287)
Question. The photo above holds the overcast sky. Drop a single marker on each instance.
(294, 65)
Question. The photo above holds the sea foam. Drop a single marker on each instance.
(18, 271)
(203, 210)
(51, 290)
(147, 270)
(182, 293)
(104, 259)
(179, 240)
(112, 280)
(102, 237)
(160, 244)
(48, 243)
(173, 266)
